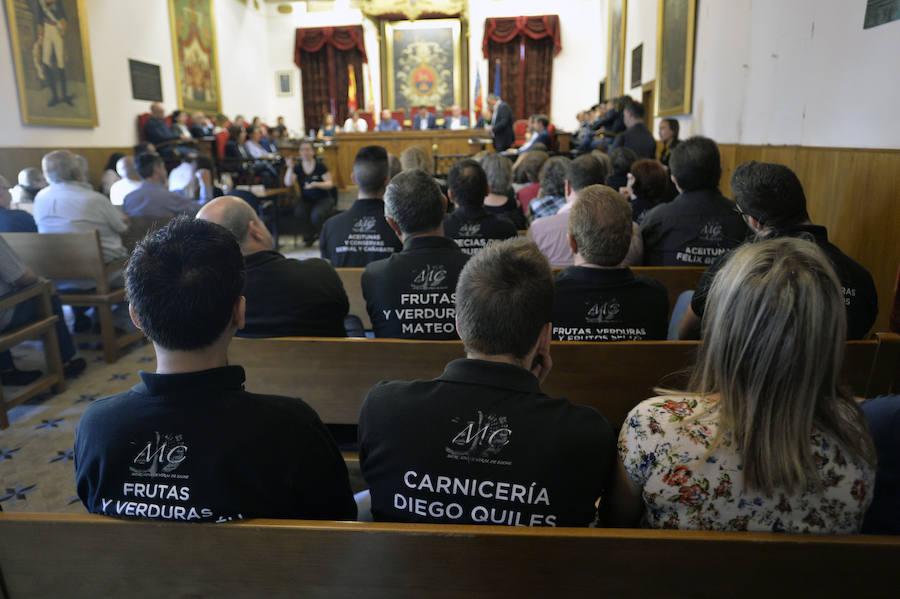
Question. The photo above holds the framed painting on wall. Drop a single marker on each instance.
(52, 55)
(615, 65)
(193, 27)
(423, 63)
(284, 83)
(675, 56)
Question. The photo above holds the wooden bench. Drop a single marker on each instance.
(677, 279)
(51, 555)
(78, 256)
(334, 375)
(42, 327)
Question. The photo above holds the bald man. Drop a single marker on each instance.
(285, 297)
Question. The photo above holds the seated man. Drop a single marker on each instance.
(161, 136)
(360, 235)
(285, 297)
(482, 444)
(537, 124)
(201, 126)
(636, 136)
(130, 180)
(188, 443)
(388, 122)
(193, 178)
(456, 120)
(883, 416)
(424, 120)
(771, 200)
(31, 181)
(597, 299)
(12, 220)
(470, 225)
(553, 188)
(14, 275)
(700, 224)
(411, 295)
(153, 197)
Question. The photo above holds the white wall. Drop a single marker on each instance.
(138, 29)
(773, 72)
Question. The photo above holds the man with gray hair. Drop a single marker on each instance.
(285, 297)
(599, 299)
(411, 294)
(31, 181)
(130, 181)
(482, 444)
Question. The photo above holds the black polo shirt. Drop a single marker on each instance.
(860, 296)
(412, 294)
(692, 230)
(358, 236)
(473, 228)
(289, 298)
(196, 447)
(511, 211)
(482, 444)
(609, 304)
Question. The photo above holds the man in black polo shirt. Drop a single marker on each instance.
(482, 444)
(700, 224)
(636, 137)
(412, 294)
(188, 443)
(360, 235)
(470, 225)
(595, 300)
(285, 297)
(771, 200)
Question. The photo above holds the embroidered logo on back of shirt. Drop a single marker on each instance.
(165, 453)
(470, 230)
(480, 439)
(365, 224)
(608, 311)
(711, 231)
(430, 277)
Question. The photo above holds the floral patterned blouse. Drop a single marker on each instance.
(662, 454)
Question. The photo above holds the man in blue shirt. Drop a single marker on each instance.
(153, 197)
(13, 221)
(387, 123)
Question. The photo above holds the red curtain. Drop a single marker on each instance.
(525, 47)
(323, 53)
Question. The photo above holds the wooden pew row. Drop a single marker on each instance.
(50, 555)
(677, 279)
(334, 375)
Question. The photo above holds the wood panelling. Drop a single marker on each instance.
(12, 160)
(855, 193)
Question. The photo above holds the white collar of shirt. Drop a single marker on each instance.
(565, 207)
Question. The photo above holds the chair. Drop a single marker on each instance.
(399, 116)
(139, 227)
(520, 128)
(551, 131)
(369, 119)
(78, 256)
(141, 123)
(43, 327)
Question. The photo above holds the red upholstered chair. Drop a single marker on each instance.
(221, 139)
(520, 128)
(551, 130)
(141, 122)
(369, 119)
(169, 121)
(399, 116)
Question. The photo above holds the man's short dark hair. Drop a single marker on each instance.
(371, 169)
(413, 200)
(176, 114)
(468, 183)
(695, 163)
(622, 159)
(635, 109)
(595, 107)
(529, 170)
(145, 164)
(771, 193)
(542, 119)
(553, 176)
(503, 298)
(585, 170)
(140, 148)
(183, 282)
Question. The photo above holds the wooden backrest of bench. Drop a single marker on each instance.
(677, 280)
(334, 375)
(61, 255)
(48, 555)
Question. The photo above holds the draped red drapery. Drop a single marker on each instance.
(323, 54)
(525, 47)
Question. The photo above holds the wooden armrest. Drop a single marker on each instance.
(25, 294)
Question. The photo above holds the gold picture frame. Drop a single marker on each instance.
(615, 55)
(676, 22)
(50, 94)
(399, 90)
(197, 82)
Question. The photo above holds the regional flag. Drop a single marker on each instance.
(479, 102)
(351, 89)
(497, 78)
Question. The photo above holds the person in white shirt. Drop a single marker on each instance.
(31, 181)
(193, 178)
(355, 124)
(456, 120)
(129, 182)
(179, 125)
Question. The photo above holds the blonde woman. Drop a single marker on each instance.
(763, 439)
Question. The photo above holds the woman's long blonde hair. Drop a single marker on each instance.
(774, 331)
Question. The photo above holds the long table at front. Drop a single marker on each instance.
(338, 156)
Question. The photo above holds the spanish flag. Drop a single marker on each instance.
(479, 101)
(351, 89)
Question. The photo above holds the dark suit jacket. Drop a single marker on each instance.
(503, 127)
(417, 121)
(157, 131)
(637, 138)
(197, 131)
(542, 138)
